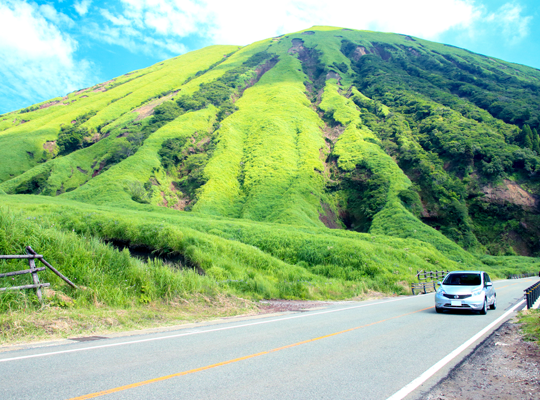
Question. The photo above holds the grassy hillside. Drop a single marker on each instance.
(236, 256)
(319, 164)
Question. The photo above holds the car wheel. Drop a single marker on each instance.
(494, 305)
(439, 310)
(484, 309)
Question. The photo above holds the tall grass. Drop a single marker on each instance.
(256, 260)
(108, 276)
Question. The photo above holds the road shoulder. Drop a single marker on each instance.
(503, 366)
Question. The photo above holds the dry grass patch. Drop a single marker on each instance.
(51, 323)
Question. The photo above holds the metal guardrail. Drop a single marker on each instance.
(519, 276)
(532, 294)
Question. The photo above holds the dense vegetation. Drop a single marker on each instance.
(236, 161)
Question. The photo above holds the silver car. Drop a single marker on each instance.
(466, 290)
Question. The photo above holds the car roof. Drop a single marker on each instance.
(468, 272)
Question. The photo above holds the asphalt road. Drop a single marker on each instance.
(353, 350)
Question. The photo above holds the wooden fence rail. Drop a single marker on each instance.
(427, 280)
(31, 256)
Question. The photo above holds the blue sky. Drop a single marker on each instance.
(50, 48)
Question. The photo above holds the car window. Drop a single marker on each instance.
(463, 279)
(486, 278)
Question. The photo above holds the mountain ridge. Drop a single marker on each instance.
(384, 134)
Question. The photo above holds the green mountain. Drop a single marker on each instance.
(416, 155)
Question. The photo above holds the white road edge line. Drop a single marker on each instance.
(200, 332)
(406, 390)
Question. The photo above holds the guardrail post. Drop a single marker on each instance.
(532, 294)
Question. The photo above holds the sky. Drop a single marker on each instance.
(51, 48)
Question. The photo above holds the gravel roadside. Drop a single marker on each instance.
(503, 366)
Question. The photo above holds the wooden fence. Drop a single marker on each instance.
(31, 256)
(427, 280)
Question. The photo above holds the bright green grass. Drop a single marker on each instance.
(109, 277)
(512, 264)
(111, 186)
(531, 324)
(265, 165)
(257, 258)
(110, 105)
(358, 145)
(230, 265)
(267, 172)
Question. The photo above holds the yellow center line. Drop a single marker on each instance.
(192, 371)
(502, 287)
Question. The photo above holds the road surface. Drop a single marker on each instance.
(349, 350)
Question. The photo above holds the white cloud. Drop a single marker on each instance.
(509, 18)
(135, 41)
(120, 20)
(241, 22)
(36, 59)
(169, 22)
(82, 7)
(423, 18)
(54, 16)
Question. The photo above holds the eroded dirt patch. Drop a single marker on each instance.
(97, 171)
(359, 52)
(148, 109)
(414, 52)
(504, 366)
(297, 46)
(333, 75)
(329, 218)
(102, 87)
(50, 104)
(50, 146)
(509, 192)
(333, 132)
(261, 70)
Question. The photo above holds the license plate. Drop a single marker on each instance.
(456, 303)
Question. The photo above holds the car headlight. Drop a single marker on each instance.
(441, 291)
(477, 292)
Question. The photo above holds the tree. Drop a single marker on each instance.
(526, 137)
(70, 139)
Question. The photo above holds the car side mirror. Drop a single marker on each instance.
(489, 283)
(439, 283)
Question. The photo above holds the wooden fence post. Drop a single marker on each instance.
(35, 277)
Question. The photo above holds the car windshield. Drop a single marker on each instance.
(463, 279)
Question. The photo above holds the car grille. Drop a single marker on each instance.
(457, 296)
(461, 306)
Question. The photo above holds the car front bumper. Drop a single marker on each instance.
(474, 303)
